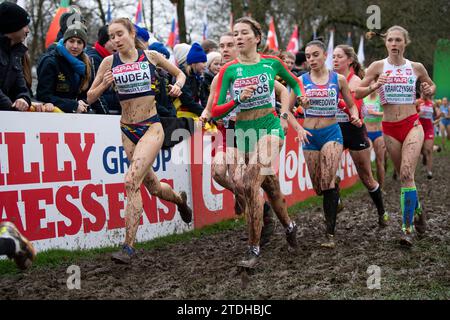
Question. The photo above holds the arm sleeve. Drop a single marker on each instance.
(5, 102)
(45, 91)
(283, 71)
(219, 108)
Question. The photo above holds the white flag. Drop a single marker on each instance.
(329, 62)
(361, 56)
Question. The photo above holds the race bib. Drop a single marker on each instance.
(131, 78)
(261, 96)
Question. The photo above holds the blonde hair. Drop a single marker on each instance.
(371, 34)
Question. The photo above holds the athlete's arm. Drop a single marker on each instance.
(373, 72)
(348, 99)
(427, 85)
(206, 114)
(102, 81)
(219, 108)
(159, 60)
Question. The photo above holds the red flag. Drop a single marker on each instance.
(173, 35)
(54, 25)
(138, 15)
(293, 42)
(272, 36)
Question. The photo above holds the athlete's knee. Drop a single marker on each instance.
(219, 171)
(153, 186)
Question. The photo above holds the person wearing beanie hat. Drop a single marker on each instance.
(196, 54)
(213, 62)
(12, 17)
(180, 52)
(158, 46)
(14, 29)
(76, 30)
(64, 73)
(108, 103)
(142, 34)
(71, 16)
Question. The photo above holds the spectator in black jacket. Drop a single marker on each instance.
(14, 29)
(64, 75)
(108, 103)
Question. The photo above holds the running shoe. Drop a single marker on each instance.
(124, 256)
(329, 243)
(25, 252)
(268, 225)
(383, 219)
(406, 238)
(184, 209)
(250, 259)
(429, 175)
(291, 236)
(420, 221)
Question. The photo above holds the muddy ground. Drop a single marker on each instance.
(205, 268)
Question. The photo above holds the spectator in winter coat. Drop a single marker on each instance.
(14, 29)
(64, 75)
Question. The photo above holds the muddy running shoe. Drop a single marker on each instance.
(185, 211)
(420, 221)
(329, 243)
(25, 252)
(291, 236)
(268, 225)
(429, 175)
(124, 256)
(406, 239)
(250, 259)
(383, 220)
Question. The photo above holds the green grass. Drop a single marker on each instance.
(57, 257)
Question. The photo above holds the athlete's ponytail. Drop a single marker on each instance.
(371, 34)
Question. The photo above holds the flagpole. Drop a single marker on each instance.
(151, 16)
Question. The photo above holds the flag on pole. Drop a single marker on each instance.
(293, 45)
(54, 25)
(173, 35)
(272, 36)
(205, 24)
(108, 13)
(329, 62)
(349, 39)
(361, 57)
(138, 15)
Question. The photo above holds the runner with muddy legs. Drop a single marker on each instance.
(355, 138)
(396, 79)
(225, 160)
(259, 133)
(324, 148)
(142, 133)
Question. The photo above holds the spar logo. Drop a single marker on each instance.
(263, 78)
(411, 80)
(332, 93)
(129, 67)
(144, 65)
(242, 83)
